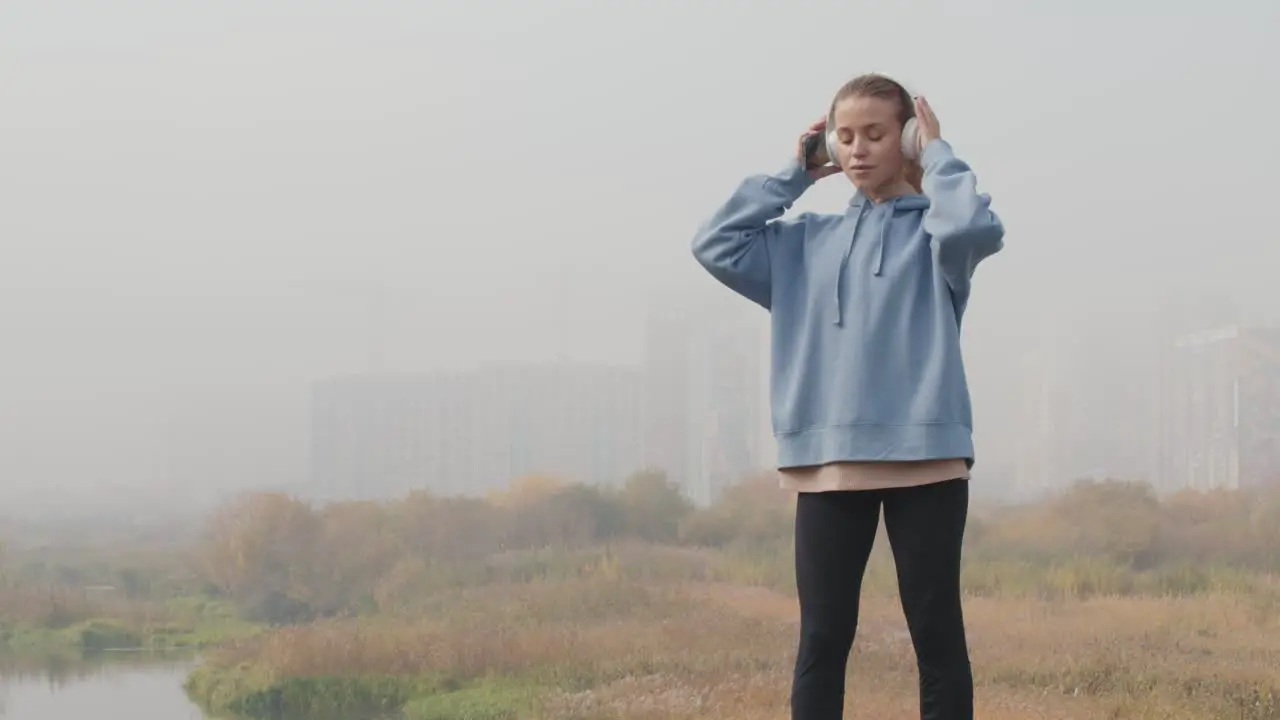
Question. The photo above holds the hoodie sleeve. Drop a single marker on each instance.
(734, 245)
(963, 229)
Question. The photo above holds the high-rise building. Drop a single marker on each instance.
(582, 423)
(385, 434)
(1220, 409)
(1029, 431)
(378, 435)
(706, 402)
(1080, 402)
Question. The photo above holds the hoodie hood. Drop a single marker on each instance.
(874, 218)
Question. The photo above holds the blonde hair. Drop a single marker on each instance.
(878, 86)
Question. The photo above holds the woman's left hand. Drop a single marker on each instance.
(927, 122)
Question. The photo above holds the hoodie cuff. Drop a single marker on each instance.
(793, 179)
(936, 151)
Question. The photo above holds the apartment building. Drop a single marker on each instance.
(381, 435)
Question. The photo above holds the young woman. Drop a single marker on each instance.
(870, 402)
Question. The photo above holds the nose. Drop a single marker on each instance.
(860, 148)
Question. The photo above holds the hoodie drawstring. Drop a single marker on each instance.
(878, 263)
(844, 262)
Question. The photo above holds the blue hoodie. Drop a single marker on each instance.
(866, 310)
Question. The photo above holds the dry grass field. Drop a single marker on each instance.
(607, 647)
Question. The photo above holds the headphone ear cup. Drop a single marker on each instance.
(833, 143)
(911, 140)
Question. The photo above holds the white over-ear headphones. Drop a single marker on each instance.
(910, 132)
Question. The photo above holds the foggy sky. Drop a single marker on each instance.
(206, 205)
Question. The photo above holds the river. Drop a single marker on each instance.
(74, 687)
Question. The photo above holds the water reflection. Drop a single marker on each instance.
(71, 686)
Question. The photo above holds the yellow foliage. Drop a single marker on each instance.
(526, 490)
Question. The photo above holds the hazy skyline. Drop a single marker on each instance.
(205, 206)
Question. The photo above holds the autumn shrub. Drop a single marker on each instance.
(282, 560)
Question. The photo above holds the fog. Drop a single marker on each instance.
(205, 208)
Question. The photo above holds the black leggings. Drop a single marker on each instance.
(834, 535)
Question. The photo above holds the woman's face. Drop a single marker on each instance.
(869, 141)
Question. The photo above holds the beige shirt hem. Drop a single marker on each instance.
(845, 476)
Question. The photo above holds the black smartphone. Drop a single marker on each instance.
(815, 150)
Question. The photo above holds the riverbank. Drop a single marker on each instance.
(178, 624)
(617, 648)
(250, 692)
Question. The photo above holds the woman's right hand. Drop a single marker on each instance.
(821, 171)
